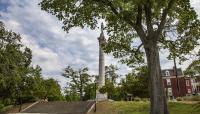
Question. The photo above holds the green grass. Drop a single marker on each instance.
(123, 107)
(3, 109)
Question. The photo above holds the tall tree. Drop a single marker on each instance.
(79, 79)
(154, 22)
(15, 60)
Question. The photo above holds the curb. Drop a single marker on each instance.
(92, 107)
(29, 106)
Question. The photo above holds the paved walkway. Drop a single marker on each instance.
(60, 107)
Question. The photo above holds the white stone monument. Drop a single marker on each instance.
(101, 79)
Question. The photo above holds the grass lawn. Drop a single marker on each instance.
(140, 107)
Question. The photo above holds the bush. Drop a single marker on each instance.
(145, 99)
(28, 99)
(7, 101)
(1, 106)
(196, 98)
(54, 98)
(137, 99)
(191, 98)
(179, 99)
(103, 90)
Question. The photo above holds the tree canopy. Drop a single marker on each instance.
(194, 68)
(170, 24)
(20, 82)
(174, 21)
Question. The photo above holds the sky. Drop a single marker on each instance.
(53, 49)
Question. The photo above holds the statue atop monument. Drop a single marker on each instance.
(101, 39)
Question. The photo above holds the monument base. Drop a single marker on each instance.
(101, 97)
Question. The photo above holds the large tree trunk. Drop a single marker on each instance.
(156, 89)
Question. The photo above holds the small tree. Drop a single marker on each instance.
(136, 83)
(111, 77)
(53, 90)
(90, 91)
(110, 74)
(79, 79)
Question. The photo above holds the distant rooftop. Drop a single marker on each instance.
(171, 72)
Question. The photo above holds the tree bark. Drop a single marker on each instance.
(156, 88)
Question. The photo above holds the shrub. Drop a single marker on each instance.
(195, 98)
(191, 98)
(7, 101)
(179, 99)
(145, 99)
(1, 106)
(102, 90)
(28, 99)
(54, 98)
(137, 99)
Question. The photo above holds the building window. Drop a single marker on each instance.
(187, 83)
(169, 91)
(189, 90)
(167, 73)
(168, 82)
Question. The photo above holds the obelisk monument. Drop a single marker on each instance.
(101, 79)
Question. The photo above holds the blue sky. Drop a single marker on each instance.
(53, 49)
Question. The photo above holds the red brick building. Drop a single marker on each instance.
(176, 86)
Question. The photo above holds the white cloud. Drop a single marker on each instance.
(52, 48)
(196, 5)
(13, 24)
(43, 56)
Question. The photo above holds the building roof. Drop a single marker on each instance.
(172, 72)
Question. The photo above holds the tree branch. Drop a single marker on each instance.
(138, 28)
(139, 46)
(164, 17)
(139, 16)
(148, 13)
